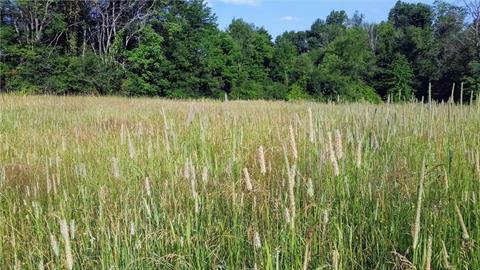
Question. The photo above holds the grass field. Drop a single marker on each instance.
(114, 183)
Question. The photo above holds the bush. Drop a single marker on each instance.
(133, 85)
(248, 90)
(275, 90)
(361, 92)
(472, 79)
(297, 93)
(47, 72)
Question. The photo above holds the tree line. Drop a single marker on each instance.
(174, 48)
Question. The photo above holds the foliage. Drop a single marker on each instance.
(248, 89)
(175, 49)
(472, 79)
(147, 66)
(401, 75)
(297, 93)
(417, 15)
(345, 66)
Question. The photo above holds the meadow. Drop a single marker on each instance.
(117, 183)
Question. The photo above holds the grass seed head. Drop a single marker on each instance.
(72, 229)
(359, 154)
(68, 248)
(445, 256)
(291, 190)
(116, 168)
(287, 216)
(248, 181)
(338, 145)
(132, 228)
(147, 186)
(261, 160)
(257, 243)
(131, 147)
(205, 174)
(465, 234)
(428, 263)
(416, 229)
(333, 158)
(310, 191)
(54, 245)
(335, 259)
(311, 133)
(293, 143)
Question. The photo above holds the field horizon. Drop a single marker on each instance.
(147, 183)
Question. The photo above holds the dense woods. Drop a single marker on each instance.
(176, 49)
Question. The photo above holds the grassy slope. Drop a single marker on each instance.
(58, 157)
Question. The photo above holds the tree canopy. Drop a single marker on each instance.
(175, 49)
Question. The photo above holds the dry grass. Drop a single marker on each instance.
(207, 184)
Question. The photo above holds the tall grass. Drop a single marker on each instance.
(113, 183)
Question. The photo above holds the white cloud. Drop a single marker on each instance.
(288, 18)
(241, 2)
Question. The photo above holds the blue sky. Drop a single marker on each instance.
(278, 16)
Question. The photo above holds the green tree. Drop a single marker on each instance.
(175, 49)
(147, 66)
(255, 64)
(345, 67)
(283, 62)
(453, 52)
(297, 39)
(337, 17)
(303, 70)
(220, 63)
(401, 76)
(256, 48)
(404, 14)
(385, 52)
(297, 92)
(408, 32)
(322, 33)
(472, 79)
(184, 28)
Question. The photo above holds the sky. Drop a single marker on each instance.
(278, 16)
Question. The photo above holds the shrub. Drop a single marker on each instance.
(298, 93)
(248, 90)
(275, 90)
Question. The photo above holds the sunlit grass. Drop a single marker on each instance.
(145, 183)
